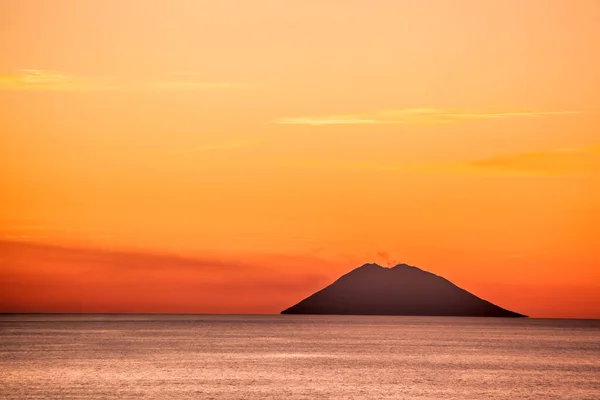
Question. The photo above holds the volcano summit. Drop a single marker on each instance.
(401, 290)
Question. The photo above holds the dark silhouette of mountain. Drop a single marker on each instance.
(401, 290)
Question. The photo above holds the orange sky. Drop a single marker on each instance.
(236, 156)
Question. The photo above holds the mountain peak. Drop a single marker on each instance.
(370, 265)
(399, 266)
(374, 290)
(403, 265)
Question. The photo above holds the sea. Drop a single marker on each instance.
(296, 357)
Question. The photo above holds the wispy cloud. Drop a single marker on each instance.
(564, 161)
(211, 147)
(551, 162)
(413, 116)
(188, 85)
(78, 279)
(44, 80)
(36, 79)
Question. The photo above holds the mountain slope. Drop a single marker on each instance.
(401, 290)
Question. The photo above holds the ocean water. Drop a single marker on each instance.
(296, 357)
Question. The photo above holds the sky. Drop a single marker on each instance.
(236, 156)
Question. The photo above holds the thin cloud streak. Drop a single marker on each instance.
(551, 162)
(413, 116)
(213, 147)
(556, 162)
(49, 278)
(44, 80)
(189, 85)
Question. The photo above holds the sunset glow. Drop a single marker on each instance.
(235, 157)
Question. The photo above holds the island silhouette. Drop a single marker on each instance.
(401, 290)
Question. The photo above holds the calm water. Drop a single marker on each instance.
(296, 357)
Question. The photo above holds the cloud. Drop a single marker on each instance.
(563, 161)
(413, 116)
(36, 79)
(276, 238)
(551, 162)
(49, 278)
(188, 85)
(44, 80)
(213, 147)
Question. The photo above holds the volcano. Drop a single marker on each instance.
(401, 290)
